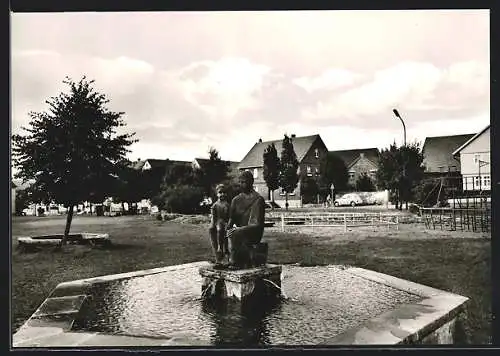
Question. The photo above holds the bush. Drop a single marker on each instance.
(183, 199)
(365, 184)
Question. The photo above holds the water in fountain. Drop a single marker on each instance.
(319, 303)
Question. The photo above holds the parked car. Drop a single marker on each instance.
(351, 199)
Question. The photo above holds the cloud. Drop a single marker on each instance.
(224, 87)
(413, 86)
(329, 80)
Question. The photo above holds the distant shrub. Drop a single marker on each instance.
(183, 199)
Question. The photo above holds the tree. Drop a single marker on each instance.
(271, 170)
(129, 188)
(214, 171)
(288, 168)
(72, 150)
(400, 169)
(365, 184)
(333, 171)
(23, 199)
(309, 189)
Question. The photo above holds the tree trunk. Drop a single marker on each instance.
(69, 217)
(272, 199)
(286, 200)
(123, 208)
(90, 209)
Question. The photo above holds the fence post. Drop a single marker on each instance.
(345, 223)
(397, 222)
(312, 222)
(282, 222)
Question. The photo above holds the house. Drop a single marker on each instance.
(309, 151)
(198, 163)
(358, 162)
(153, 164)
(474, 157)
(438, 154)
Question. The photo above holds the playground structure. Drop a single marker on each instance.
(457, 204)
(326, 219)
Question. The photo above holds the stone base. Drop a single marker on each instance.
(263, 281)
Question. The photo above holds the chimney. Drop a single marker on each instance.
(260, 140)
(293, 135)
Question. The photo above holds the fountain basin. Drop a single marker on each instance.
(53, 240)
(329, 305)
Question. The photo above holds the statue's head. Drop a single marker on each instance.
(221, 191)
(246, 181)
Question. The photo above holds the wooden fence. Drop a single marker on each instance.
(465, 219)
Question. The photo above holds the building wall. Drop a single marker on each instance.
(363, 165)
(481, 147)
(475, 177)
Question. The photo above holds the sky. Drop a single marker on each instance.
(188, 81)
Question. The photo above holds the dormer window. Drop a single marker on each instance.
(309, 171)
(316, 153)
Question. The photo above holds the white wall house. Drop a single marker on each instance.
(475, 161)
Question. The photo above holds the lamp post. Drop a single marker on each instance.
(396, 113)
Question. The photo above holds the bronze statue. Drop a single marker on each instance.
(246, 222)
(218, 224)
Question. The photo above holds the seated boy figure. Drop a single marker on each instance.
(218, 223)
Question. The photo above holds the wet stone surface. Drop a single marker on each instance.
(320, 303)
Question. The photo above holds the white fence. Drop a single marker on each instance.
(344, 220)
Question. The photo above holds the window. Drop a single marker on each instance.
(316, 153)
(477, 182)
(352, 175)
(477, 157)
(309, 171)
(317, 171)
(486, 181)
(255, 173)
(282, 192)
(373, 173)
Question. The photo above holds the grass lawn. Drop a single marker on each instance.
(453, 261)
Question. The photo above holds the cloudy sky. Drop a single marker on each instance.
(191, 80)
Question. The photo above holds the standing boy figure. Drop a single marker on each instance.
(219, 220)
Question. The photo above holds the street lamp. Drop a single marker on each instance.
(396, 113)
(404, 127)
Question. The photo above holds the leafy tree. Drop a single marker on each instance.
(271, 170)
(183, 199)
(400, 170)
(289, 166)
(23, 199)
(365, 184)
(333, 170)
(309, 189)
(129, 188)
(212, 172)
(72, 150)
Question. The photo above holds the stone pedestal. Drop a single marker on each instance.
(262, 281)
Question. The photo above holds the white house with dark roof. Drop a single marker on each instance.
(475, 161)
(309, 151)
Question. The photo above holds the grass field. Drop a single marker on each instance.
(453, 261)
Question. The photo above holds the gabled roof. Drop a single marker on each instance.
(203, 161)
(157, 163)
(351, 156)
(467, 143)
(254, 158)
(438, 151)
